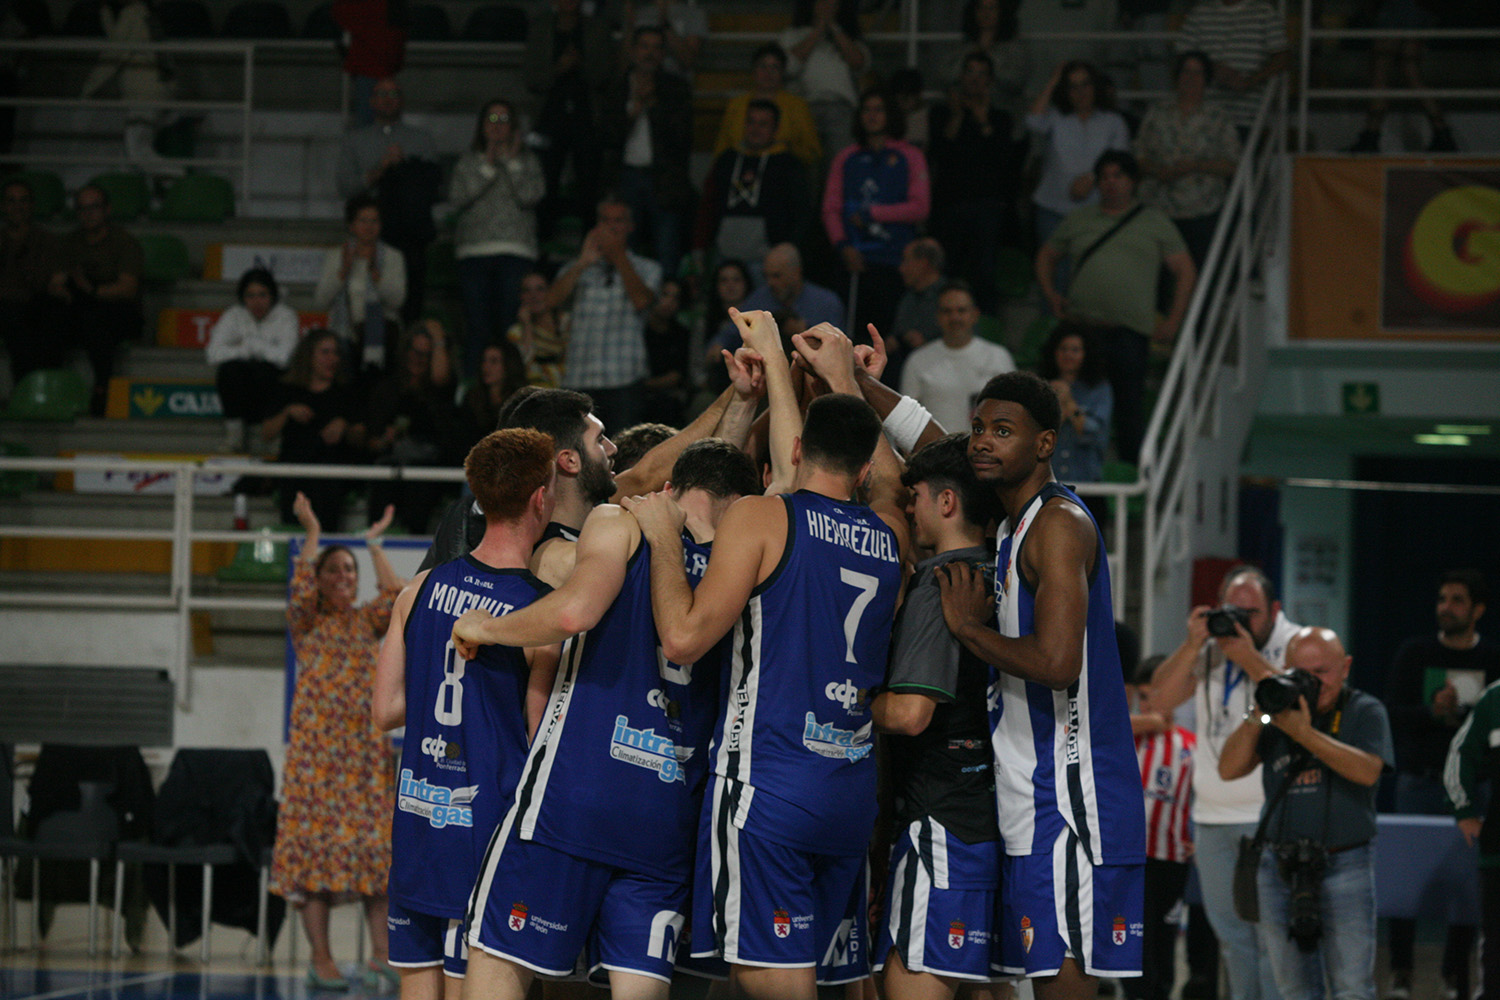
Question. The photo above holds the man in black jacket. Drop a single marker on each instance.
(755, 195)
(647, 126)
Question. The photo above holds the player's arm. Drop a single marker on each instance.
(388, 699)
(902, 712)
(690, 621)
(543, 662)
(604, 548)
(784, 419)
(1060, 549)
(651, 472)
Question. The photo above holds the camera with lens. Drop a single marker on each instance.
(1221, 621)
(1302, 864)
(1281, 691)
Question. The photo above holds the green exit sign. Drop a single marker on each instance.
(1361, 398)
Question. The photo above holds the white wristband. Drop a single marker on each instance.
(905, 424)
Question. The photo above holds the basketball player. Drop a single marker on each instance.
(939, 913)
(1067, 787)
(467, 724)
(597, 847)
(809, 582)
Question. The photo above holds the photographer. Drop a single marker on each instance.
(1227, 651)
(1323, 763)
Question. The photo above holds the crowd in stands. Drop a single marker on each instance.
(921, 202)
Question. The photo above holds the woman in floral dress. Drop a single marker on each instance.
(333, 828)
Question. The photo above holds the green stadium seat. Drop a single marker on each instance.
(166, 257)
(1013, 273)
(49, 394)
(1029, 353)
(15, 482)
(48, 196)
(260, 561)
(989, 328)
(129, 197)
(197, 198)
(258, 19)
(1116, 471)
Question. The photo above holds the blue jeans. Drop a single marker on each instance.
(1215, 847)
(1345, 956)
(491, 290)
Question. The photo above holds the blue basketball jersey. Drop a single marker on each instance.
(1064, 758)
(465, 736)
(605, 779)
(793, 740)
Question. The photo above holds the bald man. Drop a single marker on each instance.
(785, 288)
(1323, 765)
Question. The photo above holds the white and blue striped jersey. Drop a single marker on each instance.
(465, 736)
(1064, 758)
(793, 740)
(607, 779)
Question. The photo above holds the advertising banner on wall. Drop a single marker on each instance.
(1395, 249)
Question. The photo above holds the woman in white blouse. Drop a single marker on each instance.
(249, 346)
(362, 287)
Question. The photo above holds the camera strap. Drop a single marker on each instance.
(1294, 768)
(1303, 758)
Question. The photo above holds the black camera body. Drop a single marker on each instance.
(1221, 621)
(1302, 864)
(1281, 691)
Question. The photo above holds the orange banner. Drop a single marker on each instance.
(1395, 249)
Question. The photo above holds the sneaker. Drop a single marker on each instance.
(1442, 140)
(1368, 141)
(1400, 988)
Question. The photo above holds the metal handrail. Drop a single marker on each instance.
(1308, 93)
(245, 105)
(179, 596)
(1214, 318)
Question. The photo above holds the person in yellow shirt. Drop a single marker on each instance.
(768, 78)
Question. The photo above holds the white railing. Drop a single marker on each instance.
(1307, 93)
(178, 595)
(1214, 325)
(244, 106)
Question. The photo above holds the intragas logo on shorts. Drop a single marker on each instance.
(847, 694)
(827, 740)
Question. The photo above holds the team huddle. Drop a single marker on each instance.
(640, 735)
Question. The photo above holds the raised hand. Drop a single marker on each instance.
(747, 372)
(377, 529)
(831, 355)
(758, 330)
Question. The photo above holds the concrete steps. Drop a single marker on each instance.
(184, 435)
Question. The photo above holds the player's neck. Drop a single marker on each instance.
(702, 517)
(506, 545)
(813, 479)
(957, 535)
(1014, 496)
(572, 507)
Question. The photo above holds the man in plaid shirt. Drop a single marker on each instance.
(608, 289)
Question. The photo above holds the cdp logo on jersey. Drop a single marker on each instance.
(440, 749)
(846, 694)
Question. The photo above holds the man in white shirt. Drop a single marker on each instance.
(945, 375)
(1218, 668)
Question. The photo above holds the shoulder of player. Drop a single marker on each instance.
(1061, 530)
(755, 510)
(609, 525)
(408, 595)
